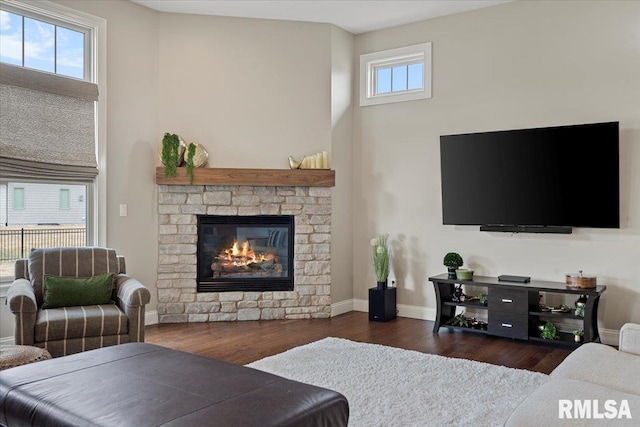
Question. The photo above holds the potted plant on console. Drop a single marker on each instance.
(550, 331)
(380, 258)
(453, 261)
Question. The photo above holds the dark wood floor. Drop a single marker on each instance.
(245, 342)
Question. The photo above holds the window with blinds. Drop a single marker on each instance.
(48, 105)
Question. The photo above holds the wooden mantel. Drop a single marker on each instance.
(255, 177)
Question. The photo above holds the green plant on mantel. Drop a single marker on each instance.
(170, 153)
(191, 151)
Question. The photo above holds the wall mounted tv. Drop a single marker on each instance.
(543, 180)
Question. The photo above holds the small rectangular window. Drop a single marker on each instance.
(45, 46)
(402, 74)
(65, 199)
(18, 198)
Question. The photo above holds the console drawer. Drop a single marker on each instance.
(510, 325)
(511, 300)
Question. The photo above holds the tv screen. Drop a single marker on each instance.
(544, 177)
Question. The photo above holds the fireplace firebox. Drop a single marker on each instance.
(245, 253)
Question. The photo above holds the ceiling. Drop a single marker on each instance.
(354, 16)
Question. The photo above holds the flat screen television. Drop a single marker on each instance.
(532, 180)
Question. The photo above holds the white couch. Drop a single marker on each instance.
(592, 372)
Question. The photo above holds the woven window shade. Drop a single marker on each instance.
(47, 126)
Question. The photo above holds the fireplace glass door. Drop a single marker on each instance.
(245, 253)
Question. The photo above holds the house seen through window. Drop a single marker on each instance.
(39, 215)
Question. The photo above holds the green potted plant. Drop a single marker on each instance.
(483, 299)
(380, 258)
(170, 153)
(452, 261)
(460, 320)
(191, 151)
(550, 331)
(578, 335)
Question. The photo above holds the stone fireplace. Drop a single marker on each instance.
(245, 253)
(179, 209)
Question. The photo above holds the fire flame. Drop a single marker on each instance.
(238, 256)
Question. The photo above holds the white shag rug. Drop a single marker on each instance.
(390, 386)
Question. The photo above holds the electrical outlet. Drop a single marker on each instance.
(392, 282)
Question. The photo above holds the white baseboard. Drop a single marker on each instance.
(415, 312)
(610, 336)
(151, 317)
(404, 310)
(341, 307)
(361, 305)
(7, 341)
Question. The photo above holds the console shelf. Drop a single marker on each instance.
(472, 304)
(513, 308)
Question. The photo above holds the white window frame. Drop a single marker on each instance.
(370, 62)
(95, 72)
(59, 20)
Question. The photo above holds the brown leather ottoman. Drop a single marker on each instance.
(140, 384)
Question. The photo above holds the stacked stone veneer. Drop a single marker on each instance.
(178, 300)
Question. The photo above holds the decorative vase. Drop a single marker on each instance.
(577, 338)
(452, 272)
(382, 285)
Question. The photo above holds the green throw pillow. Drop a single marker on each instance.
(70, 291)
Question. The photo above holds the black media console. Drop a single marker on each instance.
(513, 309)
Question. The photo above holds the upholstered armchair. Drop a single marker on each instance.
(68, 327)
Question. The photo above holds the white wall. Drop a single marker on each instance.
(342, 160)
(251, 91)
(518, 65)
(132, 138)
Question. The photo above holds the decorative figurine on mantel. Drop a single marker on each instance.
(174, 152)
(312, 161)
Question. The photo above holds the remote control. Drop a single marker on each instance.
(519, 279)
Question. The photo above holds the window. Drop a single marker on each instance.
(402, 74)
(49, 60)
(65, 202)
(18, 198)
(44, 44)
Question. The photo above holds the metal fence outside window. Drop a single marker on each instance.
(18, 243)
